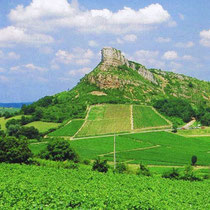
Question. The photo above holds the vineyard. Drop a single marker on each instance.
(33, 187)
(145, 117)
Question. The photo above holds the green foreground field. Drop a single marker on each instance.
(34, 187)
(153, 148)
(43, 126)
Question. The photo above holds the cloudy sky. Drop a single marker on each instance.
(47, 46)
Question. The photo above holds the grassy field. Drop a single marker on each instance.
(3, 121)
(205, 131)
(107, 119)
(155, 148)
(43, 126)
(69, 129)
(10, 110)
(171, 150)
(144, 116)
(35, 187)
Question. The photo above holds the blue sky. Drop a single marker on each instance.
(47, 46)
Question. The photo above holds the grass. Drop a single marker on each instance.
(107, 119)
(3, 121)
(144, 116)
(172, 150)
(43, 126)
(205, 131)
(69, 129)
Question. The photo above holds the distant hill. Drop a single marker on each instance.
(117, 80)
(14, 105)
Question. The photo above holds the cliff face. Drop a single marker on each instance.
(112, 57)
(111, 60)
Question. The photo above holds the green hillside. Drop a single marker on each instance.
(118, 81)
(113, 118)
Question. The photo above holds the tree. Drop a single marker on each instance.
(14, 150)
(29, 132)
(205, 119)
(59, 150)
(143, 170)
(100, 165)
(194, 160)
(174, 128)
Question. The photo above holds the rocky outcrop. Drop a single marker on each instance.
(147, 75)
(112, 57)
(110, 81)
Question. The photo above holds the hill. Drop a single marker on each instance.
(119, 81)
(113, 118)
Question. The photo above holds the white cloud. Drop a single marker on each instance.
(11, 35)
(82, 71)
(49, 15)
(187, 57)
(126, 38)
(170, 55)
(9, 55)
(205, 38)
(184, 44)
(163, 39)
(29, 66)
(148, 58)
(77, 56)
(2, 70)
(33, 67)
(13, 55)
(130, 37)
(3, 79)
(92, 43)
(181, 16)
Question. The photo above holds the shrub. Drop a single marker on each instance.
(14, 150)
(174, 128)
(100, 165)
(59, 150)
(194, 160)
(121, 168)
(174, 174)
(143, 170)
(189, 174)
(86, 162)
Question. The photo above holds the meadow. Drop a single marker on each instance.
(35, 187)
(69, 129)
(3, 121)
(43, 126)
(145, 116)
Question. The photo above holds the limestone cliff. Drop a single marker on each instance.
(111, 60)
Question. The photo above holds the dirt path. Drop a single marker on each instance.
(188, 124)
(131, 150)
(89, 108)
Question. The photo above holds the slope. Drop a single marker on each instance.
(119, 81)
